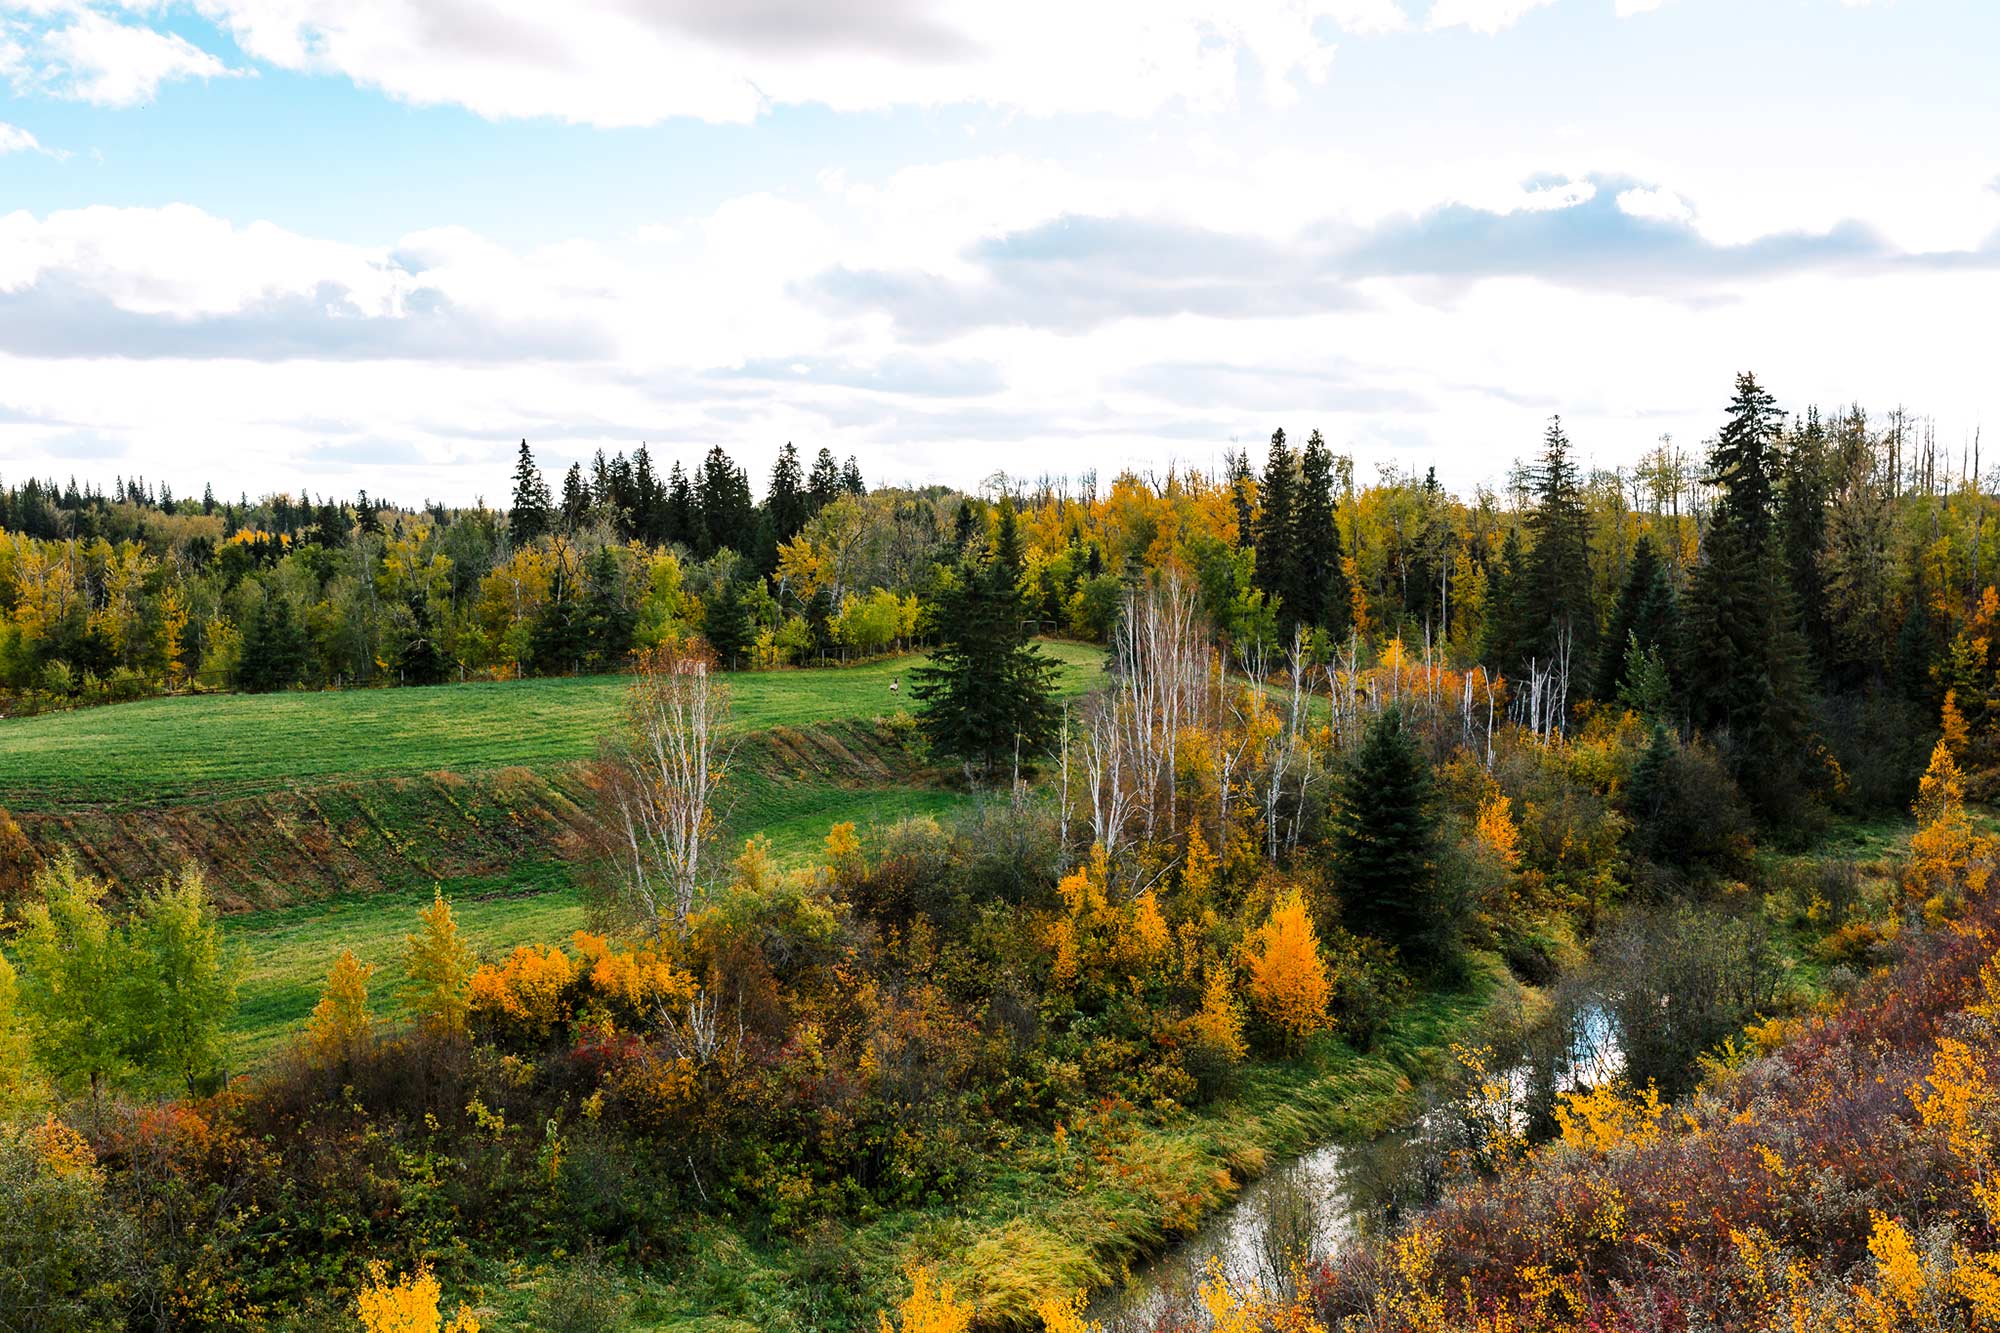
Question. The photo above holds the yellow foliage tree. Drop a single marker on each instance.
(1218, 1024)
(17, 1085)
(407, 1305)
(1288, 982)
(1198, 871)
(437, 970)
(1943, 847)
(1608, 1116)
(1496, 832)
(173, 636)
(340, 1020)
(528, 993)
(931, 1307)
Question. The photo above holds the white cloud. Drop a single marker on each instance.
(616, 62)
(77, 52)
(1627, 8)
(14, 139)
(1480, 15)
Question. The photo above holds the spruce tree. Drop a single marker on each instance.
(529, 517)
(1277, 556)
(273, 652)
(787, 502)
(424, 660)
(722, 494)
(575, 499)
(1743, 666)
(1508, 631)
(1643, 617)
(726, 622)
(680, 518)
(607, 618)
(1319, 583)
(850, 477)
(1243, 494)
(1556, 590)
(1805, 484)
(823, 487)
(987, 693)
(1385, 844)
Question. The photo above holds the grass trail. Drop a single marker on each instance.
(177, 749)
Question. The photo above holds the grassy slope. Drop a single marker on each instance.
(163, 750)
(324, 814)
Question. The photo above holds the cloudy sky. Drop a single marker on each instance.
(341, 243)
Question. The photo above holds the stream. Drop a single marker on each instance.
(1321, 1201)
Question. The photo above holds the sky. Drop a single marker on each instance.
(327, 245)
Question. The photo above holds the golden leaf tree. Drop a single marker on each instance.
(1288, 981)
(340, 1020)
(437, 970)
(931, 1307)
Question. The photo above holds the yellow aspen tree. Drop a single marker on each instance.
(931, 1307)
(1065, 1315)
(1198, 870)
(407, 1305)
(340, 1020)
(1495, 830)
(1218, 1024)
(1288, 980)
(437, 970)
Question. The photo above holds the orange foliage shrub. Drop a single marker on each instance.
(407, 1305)
(931, 1307)
(529, 994)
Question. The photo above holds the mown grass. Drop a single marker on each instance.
(288, 950)
(176, 749)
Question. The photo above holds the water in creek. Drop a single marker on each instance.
(1316, 1204)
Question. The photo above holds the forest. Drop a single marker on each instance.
(1381, 796)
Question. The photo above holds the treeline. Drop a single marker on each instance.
(1817, 578)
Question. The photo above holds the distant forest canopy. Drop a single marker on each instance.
(1815, 555)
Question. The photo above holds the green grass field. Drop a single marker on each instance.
(181, 753)
(177, 749)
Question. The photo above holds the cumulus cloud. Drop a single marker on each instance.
(70, 50)
(638, 62)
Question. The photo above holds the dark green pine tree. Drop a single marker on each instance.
(988, 694)
(1743, 665)
(1009, 556)
(679, 518)
(1644, 616)
(722, 495)
(1385, 845)
(424, 660)
(608, 617)
(823, 486)
(1805, 487)
(850, 478)
(1319, 583)
(964, 526)
(273, 652)
(529, 517)
(1509, 630)
(645, 499)
(726, 623)
(1556, 589)
(575, 499)
(1277, 557)
(559, 641)
(787, 502)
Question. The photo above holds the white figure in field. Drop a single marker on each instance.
(893, 685)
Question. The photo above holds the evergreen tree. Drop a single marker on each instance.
(1277, 557)
(1319, 587)
(823, 487)
(575, 499)
(1385, 844)
(1508, 631)
(1559, 617)
(987, 693)
(1805, 485)
(273, 653)
(1642, 619)
(560, 640)
(646, 501)
(529, 517)
(722, 494)
(726, 622)
(787, 502)
(850, 478)
(1743, 667)
(424, 660)
(608, 619)
(1009, 559)
(681, 518)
